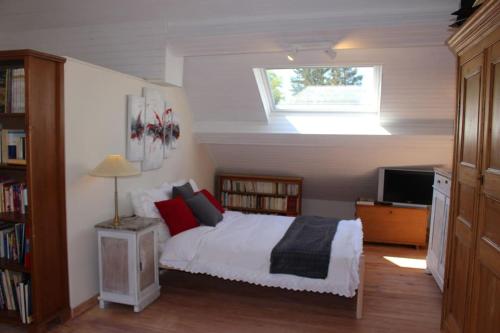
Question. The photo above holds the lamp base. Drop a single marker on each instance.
(116, 221)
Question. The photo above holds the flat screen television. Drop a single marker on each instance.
(405, 186)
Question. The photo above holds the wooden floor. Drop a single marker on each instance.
(396, 300)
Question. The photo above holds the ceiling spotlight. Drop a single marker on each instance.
(291, 56)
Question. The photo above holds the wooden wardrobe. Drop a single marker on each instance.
(472, 279)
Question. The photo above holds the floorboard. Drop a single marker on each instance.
(396, 300)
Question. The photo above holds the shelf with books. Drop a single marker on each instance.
(13, 217)
(257, 210)
(31, 123)
(261, 194)
(15, 294)
(12, 115)
(258, 194)
(15, 167)
(13, 266)
(10, 317)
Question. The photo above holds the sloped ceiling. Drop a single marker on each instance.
(223, 40)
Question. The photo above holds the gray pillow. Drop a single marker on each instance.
(203, 210)
(185, 191)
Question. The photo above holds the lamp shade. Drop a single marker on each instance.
(114, 166)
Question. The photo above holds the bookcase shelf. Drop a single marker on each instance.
(10, 317)
(13, 217)
(12, 115)
(15, 167)
(38, 91)
(260, 194)
(12, 266)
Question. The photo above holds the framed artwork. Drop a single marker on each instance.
(176, 132)
(135, 128)
(167, 131)
(154, 130)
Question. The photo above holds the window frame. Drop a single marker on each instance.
(270, 107)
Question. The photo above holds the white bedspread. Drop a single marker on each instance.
(239, 248)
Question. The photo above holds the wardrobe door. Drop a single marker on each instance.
(466, 192)
(485, 306)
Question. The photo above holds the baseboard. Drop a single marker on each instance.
(84, 307)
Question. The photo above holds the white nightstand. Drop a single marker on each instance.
(128, 262)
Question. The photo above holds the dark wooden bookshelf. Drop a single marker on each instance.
(292, 210)
(43, 123)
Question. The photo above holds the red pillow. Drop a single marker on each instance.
(177, 215)
(212, 200)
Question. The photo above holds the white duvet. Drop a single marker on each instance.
(239, 248)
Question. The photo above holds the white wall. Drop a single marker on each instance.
(328, 208)
(95, 125)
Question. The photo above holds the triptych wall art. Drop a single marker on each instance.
(153, 130)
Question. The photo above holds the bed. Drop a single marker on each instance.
(239, 248)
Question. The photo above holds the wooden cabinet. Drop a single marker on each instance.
(472, 279)
(41, 118)
(436, 252)
(128, 262)
(261, 194)
(393, 225)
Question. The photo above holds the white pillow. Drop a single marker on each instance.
(143, 201)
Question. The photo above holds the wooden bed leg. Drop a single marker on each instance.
(361, 288)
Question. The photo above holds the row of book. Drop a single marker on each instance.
(12, 90)
(273, 203)
(15, 294)
(260, 187)
(283, 204)
(238, 200)
(15, 243)
(13, 197)
(13, 146)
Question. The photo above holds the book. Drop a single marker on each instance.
(3, 90)
(13, 243)
(15, 294)
(12, 90)
(13, 146)
(365, 203)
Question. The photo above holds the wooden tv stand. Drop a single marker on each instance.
(393, 224)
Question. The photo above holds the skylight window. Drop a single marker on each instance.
(321, 89)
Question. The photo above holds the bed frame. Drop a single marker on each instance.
(359, 292)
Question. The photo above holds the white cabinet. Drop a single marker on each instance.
(128, 262)
(439, 226)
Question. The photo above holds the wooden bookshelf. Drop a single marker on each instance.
(260, 194)
(43, 174)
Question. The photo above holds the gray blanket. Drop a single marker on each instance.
(305, 248)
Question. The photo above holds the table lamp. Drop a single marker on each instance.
(115, 166)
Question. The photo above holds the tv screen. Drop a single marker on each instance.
(407, 186)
